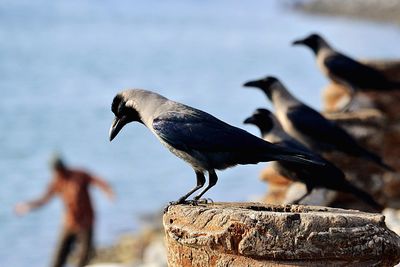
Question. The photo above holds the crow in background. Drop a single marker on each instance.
(327, 176)
(309, 126)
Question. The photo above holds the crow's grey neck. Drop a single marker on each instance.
(323, 46)
(148, 104)
(282, 98)
(276, 135)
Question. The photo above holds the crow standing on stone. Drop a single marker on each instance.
(203, 141)
(344, 70)
(308, 125)
(327, 176)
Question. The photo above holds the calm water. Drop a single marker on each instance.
(63, 61)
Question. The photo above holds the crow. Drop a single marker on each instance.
(200, 139)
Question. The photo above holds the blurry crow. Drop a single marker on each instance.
(308, 125)
(328, 176)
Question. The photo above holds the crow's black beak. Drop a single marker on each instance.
(249, 120)
(116, 126)
(252, 84)
(298, 42)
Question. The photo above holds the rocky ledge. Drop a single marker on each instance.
(254, 234)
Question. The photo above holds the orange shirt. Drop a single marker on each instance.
(73, 189)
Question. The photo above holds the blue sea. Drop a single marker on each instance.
(62, 62)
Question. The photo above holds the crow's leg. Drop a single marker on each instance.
(212, 180)
(309, 190)
(201, 180)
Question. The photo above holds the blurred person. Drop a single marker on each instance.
(72, 186)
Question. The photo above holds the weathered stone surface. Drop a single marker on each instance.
(253, 234)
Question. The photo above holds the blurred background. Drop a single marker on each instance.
(62, 62)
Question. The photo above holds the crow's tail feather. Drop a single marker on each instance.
(294, 155)
(301, 159)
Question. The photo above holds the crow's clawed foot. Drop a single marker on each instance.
(183, 202)
(172, 203)
(193, 202)
(296, 202)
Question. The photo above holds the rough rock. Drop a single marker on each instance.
(253, 234)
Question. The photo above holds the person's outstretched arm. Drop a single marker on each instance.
(25, 207)
(103, 185)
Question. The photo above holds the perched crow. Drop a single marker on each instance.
(203, 141)
(344, 70)
(308, 125)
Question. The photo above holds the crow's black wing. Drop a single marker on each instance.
(354, 72)
(317, 128)
(203, 132)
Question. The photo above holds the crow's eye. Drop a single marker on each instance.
(121, 109)
(115, 104)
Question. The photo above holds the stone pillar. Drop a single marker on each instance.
(253, 234)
